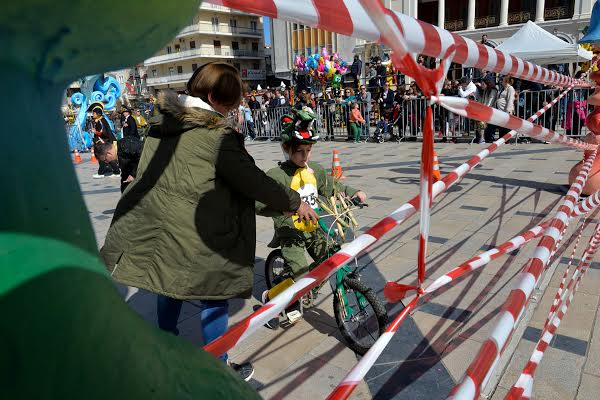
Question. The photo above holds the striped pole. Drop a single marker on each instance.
(425, 193)
(253, 322)
(486, 359)
(523, 388)
(349, 17)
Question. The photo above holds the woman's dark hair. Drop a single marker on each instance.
(219, 79)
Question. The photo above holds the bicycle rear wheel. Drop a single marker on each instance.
(367, 322)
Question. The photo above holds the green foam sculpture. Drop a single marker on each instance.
(65, 332)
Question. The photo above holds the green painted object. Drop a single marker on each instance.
(65, 331)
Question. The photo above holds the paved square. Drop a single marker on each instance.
(512, 191)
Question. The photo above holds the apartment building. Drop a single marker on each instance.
(215, 33)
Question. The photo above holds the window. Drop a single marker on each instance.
(254, 46)
(168, 49)
(233, 23)
(256, 65)
(217, 45)
(194, 67)
(192, 44)
(235, 45)
(295, 27)
(253, 25)
(215, 23)
(179, 69)
(154, 73)
(177, 48)
(237, 66)
(171, 71)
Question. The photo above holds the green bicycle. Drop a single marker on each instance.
(360, 315)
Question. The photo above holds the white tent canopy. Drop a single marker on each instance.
(535, 44)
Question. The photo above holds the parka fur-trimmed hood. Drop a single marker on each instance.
(176, 116)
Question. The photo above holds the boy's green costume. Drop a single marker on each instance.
(291, 234)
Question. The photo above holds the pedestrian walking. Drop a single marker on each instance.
(129, 125)
(185, 229)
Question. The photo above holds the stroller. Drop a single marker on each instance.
(385, 126)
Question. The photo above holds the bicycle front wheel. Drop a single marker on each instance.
(360, 316)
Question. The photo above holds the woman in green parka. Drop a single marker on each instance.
(186, 227)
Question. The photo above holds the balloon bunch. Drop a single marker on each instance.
(323, 66)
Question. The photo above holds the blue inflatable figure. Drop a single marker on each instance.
(93, 88)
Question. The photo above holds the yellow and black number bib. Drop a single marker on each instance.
(305, 183)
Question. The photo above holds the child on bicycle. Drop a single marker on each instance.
(310, 180)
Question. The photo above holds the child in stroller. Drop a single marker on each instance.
(385, 126)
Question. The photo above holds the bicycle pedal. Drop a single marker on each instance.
(294, 316)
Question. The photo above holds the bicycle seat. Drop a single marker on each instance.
(275, 243)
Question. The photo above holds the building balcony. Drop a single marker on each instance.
(519, 17)
(206, 53)
(209, 29)
(557, 13)
(246, 74)
(486, 21)
(168, 80)
(216, 8)
(455, 25)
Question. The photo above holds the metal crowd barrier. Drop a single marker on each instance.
(404, 122)
(563, 117)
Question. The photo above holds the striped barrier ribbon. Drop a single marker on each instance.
(481, 112)
(486, 359)
(561, 287)
(349, 17)
(353, 378)
(253, 322)
(523, 388)
(350, 382)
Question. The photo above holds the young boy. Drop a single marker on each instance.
(310, 180)
(356, 119)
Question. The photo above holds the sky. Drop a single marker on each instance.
(267, 29)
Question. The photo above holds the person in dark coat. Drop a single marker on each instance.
(129, 125)
(128, 153)
(103, 134)
(185, 229)
(356, 71)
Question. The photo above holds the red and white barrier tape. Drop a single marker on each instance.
(253, 322)
(348, 17)
(473, 110)
(587, 205)
(358, 373)
(556, 301)
(523, 388)
(486, 359)
(349, 383)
